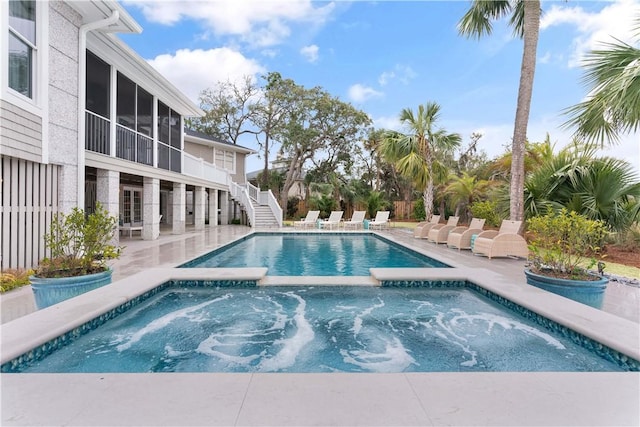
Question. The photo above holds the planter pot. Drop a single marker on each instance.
(49, 291)
(585, 291)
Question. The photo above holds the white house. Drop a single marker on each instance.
(84, 119)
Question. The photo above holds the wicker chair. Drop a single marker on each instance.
(422, 229)
(460, 237)
(502, 243)
(440, 232)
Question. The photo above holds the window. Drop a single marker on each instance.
(225, 159)
(98, 85)
(22, 45)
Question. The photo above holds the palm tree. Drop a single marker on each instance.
(464, 190)
(600, 188)
(525, 19)
(613, 105)
(417, 155)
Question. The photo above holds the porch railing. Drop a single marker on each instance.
(169, 158)
(197, 167)
(97, 133)
(133, 146)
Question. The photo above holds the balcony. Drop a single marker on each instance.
(97, 134)
(133, 146)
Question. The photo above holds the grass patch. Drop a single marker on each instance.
(14, 278)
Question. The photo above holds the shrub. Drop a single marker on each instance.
(561, 241)
(487, 210)
(418, 210)
(80, 244)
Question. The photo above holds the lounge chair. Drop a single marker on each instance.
(440, 232)
(381, 220)
(460, 237)
(356, 221)
(424, 231)
(502, 243)
(309, 221)
(418, 230)
(333, 220)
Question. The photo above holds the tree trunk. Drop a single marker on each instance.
(427, 198)
(265, 171)
(527, 71)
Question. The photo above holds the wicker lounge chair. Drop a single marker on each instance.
(502, 243)
(440, 232)
(460, 237)
(417, 232)
(381, 220)
(309, 221)
(333, 220)
(356, 221)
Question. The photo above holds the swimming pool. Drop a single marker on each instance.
(444, 328)
(314, 254)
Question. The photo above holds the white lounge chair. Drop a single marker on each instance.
(356, 221)
(460, 237)
(502, 243)
(440, 232)
(309, 221)
(418, 230)
(381, 220)
(333, 220)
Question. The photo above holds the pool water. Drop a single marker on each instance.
(313, 254)
(320, 329)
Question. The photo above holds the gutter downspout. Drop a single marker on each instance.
(82, 94)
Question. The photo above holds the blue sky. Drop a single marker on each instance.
(383, 56)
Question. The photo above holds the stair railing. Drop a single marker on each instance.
(241, 194)
(274, 205)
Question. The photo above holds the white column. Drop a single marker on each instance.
(108, 192)
(199, 208)
(179, 207)
(224, 207)
(151, 208)
(213, 207)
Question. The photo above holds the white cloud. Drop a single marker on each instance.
(386, 77)
(310, 53)
(545, 59)
(615, 20)
(403, 73)
(192, 71)
(260, 23)
(360, 93)
(387, 122)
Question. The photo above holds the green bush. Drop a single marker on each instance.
(418, 210)
(487, 210)
(80, 244)
(560, 243)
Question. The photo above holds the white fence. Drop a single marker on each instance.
(29, 194)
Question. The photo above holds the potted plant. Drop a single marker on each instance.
(80, 246)
(562, 245)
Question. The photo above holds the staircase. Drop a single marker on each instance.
(264, 217)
